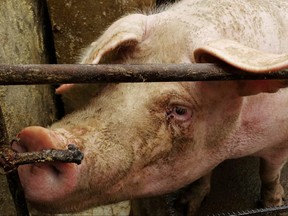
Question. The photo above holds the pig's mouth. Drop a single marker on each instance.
(45, 182)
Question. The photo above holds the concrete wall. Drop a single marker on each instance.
(22, 42)
(75, 25)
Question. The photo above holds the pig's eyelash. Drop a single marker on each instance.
(178, 112)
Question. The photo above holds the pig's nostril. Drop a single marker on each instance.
(51, 168)
(55, 170)
(18, 146)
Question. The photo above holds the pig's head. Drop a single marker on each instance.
(143, 139)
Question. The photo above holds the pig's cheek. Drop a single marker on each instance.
(48, 182)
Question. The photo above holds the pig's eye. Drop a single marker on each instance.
(180, 110)
(179, 113)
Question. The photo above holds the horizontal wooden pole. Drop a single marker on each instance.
(73, 73)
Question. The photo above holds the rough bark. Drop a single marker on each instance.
(22, 42)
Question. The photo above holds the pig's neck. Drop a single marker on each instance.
(262, 123)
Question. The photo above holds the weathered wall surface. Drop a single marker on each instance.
(76, 24)
(22, 42)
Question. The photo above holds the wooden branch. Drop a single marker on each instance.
(10, 160)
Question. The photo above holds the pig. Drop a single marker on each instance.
(148, 139)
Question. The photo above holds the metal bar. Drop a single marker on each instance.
(261, 211)
(52, 74)
(12, 177)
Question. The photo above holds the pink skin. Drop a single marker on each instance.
(143, 171)
(63, 176)
(164, 169)
(153, 138)
(63, 88)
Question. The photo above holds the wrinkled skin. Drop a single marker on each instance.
(146, 139)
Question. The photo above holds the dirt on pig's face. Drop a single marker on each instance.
(137, 139)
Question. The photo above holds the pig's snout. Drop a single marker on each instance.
(44, 183)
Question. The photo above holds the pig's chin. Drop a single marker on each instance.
(47, 183)
(44, 183)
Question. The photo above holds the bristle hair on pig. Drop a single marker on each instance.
(148, 139)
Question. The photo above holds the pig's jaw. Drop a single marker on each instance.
(162, 178)
(45, 182)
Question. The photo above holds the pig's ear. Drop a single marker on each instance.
(127, 31)
(247, 59)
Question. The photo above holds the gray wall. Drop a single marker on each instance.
(22, 42)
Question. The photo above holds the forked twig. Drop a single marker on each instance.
(10, 159)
